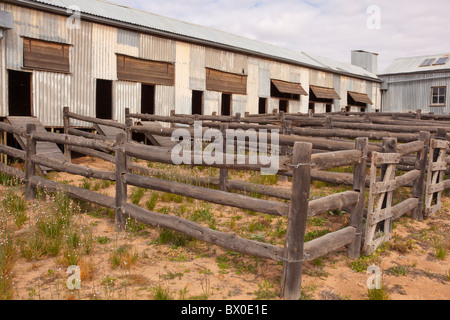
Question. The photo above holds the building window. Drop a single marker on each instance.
(145, 71)
(438, 96)
(286, 90)
(45, 55)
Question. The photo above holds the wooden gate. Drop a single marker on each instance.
(437, 167)
(380, 211)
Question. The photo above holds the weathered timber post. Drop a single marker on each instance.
(121, 186)
(419, 114)
(129, 134)
(298, 214)
(441, 134)
(30, 191)
(329, 122)
(389, 146)
(287, 127)
(172, 114)
(359, 185)
(419, 185)
(67, 152)
(237, 118)
(223, 171)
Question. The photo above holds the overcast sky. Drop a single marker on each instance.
(331, 28)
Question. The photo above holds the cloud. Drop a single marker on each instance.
(324, 27)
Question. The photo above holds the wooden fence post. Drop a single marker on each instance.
(237, 118)
(121, 186)
(224, 172)
(359, 185)
(67, 152)
(172, 114)
(30, 191)
(298, 214)
(329, 122)
(389, 146)
(419, 185)
(129, 134)
(287, 126)
(419, 114)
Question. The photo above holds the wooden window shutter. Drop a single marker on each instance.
(145, 71)
(45, 55)
(226, 82)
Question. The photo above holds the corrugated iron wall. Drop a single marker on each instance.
(226, 61)
(412, 92)
(82, 98)
(3, 101)
(252, 89)
(197, 74)
(127, 95)
(155, 48)
(183, 94)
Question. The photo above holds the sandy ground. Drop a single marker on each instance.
(202, 271)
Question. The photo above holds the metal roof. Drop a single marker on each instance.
(340, 66)
(415, 64)
(191, 32)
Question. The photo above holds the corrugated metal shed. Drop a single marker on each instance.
(135, 17)
(97, 41)
(409, 82)
(413, 65)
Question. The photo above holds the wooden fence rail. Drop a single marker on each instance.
(301, 164)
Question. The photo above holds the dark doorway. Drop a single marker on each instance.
(19, 93)
(197, 102)
(103, 101)
(148, 99)
(284, 106)
(226, 104)
(262, 106)
(329, 108)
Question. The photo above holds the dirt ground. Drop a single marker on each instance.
(410, 266)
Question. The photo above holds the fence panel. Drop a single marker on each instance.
(437, 167)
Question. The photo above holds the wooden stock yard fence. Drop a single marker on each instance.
(304, 157)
